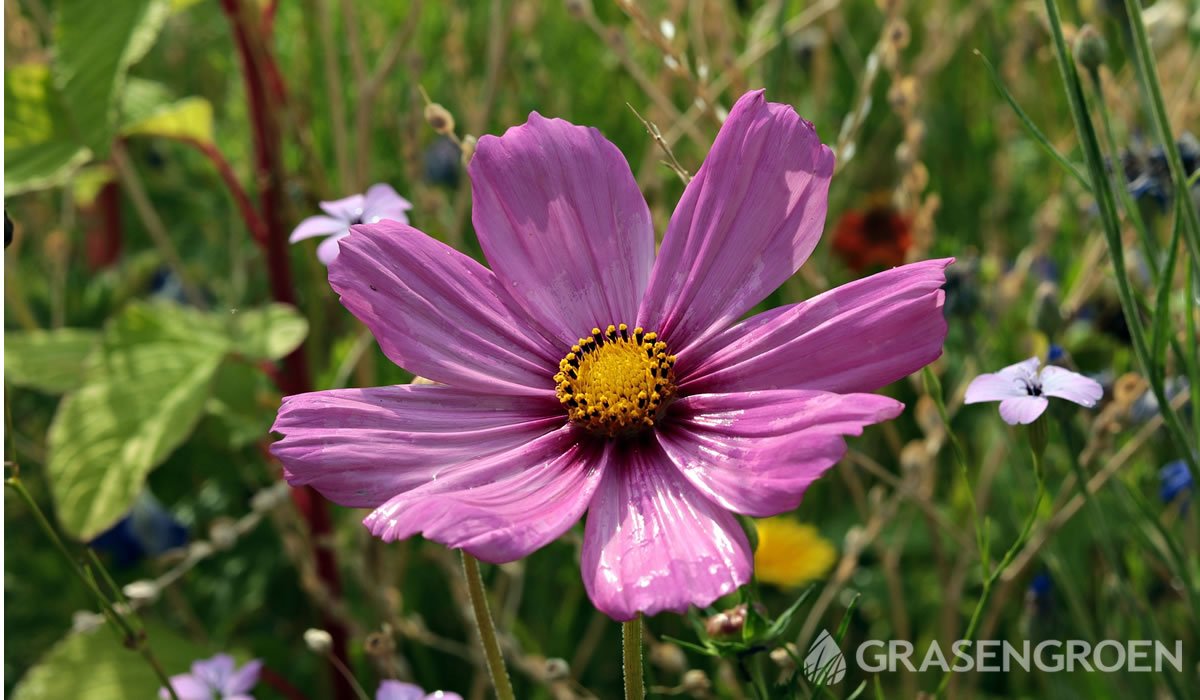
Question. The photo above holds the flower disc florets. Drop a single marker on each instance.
(616, 382)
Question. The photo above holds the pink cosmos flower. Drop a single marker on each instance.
(1022, 390)
(395, 690)
(215, 679)
(379, 203)
(583, 373)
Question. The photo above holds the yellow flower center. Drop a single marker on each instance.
(616, 382)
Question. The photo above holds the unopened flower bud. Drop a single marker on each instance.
(668, 657)
(318, 641)
(556, 670)
(439, 118)
(726, 624)
(1091, 50)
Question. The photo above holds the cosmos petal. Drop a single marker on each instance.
(563, 224)
(381, 202)
(1022, 410)
(756, 453)
(1068, 385)
(318, 226)
(994, 387)
(360, 447)
(504, 507)
(327, 250)
(244, 679)
(654, 543)
(187, 688)
(345, 209)
(746, 222)
(395, 690)
(439, 314)
(855, 338)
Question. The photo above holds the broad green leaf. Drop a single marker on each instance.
(40, 149)
(243, 404)
(141, 98)
(149, 109)
(268, 333)
(188, 119)
(88, 182)
(96, 42)
(52, 361)
(95, 665)
(146, 387)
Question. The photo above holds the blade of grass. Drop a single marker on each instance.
(1032, 128)
(1148, 75)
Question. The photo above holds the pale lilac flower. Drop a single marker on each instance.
(395, 690)
(215, 679)
(379, 203)
(1023, 391)
(583, 373)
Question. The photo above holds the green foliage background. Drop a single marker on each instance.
(110, 386)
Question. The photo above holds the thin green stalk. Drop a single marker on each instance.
(990, 581)
(631, 647)
(487, 628)
(1031, 127)
(134, 639)
(1148, 74)
(933, 387)
(1149, 245)
(1112, 233)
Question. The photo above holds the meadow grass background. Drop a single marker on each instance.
(897, 88)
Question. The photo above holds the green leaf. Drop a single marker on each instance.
(146, 387)
(268, 333)
(40, 149)
(88, 182)
(149, 109)
(51, 361)
(95, 665)
(97, 42)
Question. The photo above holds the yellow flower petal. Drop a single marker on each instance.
(791, 554)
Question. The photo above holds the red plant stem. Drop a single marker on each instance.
(263, 83)
(258, 227)
(281, 684)
(103, 240)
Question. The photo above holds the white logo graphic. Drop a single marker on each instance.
(825, 663)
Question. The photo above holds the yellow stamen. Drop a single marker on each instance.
(616, 382)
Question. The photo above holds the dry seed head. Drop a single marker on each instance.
(439, 118)
(902, 95)
(468, 149)
(898, 33)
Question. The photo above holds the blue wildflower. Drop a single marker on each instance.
(1175, 480)
(147, 531)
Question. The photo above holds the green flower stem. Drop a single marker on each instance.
(1148, 73)
(133, 638)
(989, 581)
(631, 648)
(487, 629)
(1112, 232)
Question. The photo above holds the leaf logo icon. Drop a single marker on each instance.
(824, 664)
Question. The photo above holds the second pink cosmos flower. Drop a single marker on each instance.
(582, 373)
